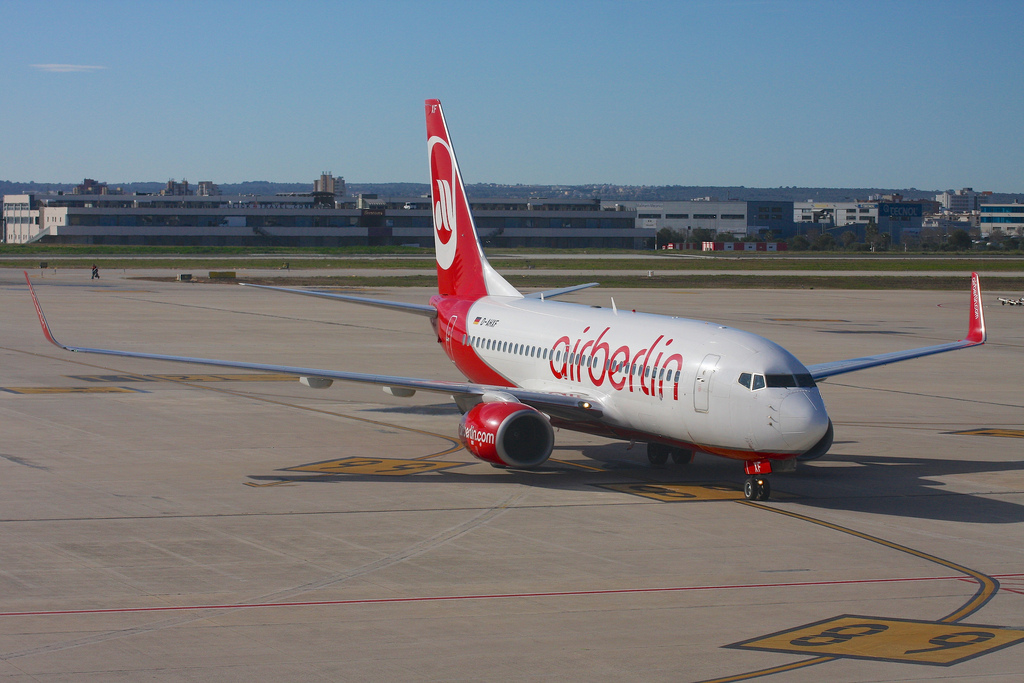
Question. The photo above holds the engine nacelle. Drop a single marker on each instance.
(507, 434)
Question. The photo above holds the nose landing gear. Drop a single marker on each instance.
(757, 487)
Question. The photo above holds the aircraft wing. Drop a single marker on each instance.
(568, 406)
(419, 309)
(976, 336)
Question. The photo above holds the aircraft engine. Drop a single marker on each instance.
(507, 434)
(819, 449)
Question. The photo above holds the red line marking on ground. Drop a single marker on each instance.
(490, 596)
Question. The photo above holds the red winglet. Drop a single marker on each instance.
(976, 331)
(39, 312)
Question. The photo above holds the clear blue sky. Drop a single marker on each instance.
(761, 93)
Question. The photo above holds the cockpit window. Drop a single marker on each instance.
(789, 381)
(805, 380)
(776, 381)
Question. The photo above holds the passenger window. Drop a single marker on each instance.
(758, 382)
(677, 377)
(745, 379)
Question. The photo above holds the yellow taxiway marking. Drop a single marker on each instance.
(1010, 433)
(220, 377)
(379, 466)
(887, 639)
(683, 493)
(71, 390)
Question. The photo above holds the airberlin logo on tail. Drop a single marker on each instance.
(446, 234)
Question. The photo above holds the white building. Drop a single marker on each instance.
(962, 201)
(722, 217)
(1006, 217)
(21, 218)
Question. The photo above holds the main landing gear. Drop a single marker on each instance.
(658, 454)
(757, 487)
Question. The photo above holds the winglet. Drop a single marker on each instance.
(39, 312)
(976, 331)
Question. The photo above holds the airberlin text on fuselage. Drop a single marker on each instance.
(601, 364)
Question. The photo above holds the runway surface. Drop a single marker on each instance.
(164, 522)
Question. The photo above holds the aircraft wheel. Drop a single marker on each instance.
(657, 454)
(757, 488)
(681, 456)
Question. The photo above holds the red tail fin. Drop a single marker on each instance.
(462, 269)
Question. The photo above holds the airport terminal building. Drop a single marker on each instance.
(318, 219)
(729, 218)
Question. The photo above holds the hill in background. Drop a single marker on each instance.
(605, 192)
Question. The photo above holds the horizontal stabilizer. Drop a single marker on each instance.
(552, 293)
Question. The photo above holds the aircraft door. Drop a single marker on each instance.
(702, 383)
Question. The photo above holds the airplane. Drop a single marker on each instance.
(1012, 302)
(533, 363)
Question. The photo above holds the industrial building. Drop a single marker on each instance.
(731, 218)
(183, 215)
(319, 219)
(898, 219)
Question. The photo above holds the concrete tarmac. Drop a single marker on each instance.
(175, 523)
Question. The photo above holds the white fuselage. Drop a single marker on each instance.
(682, 381)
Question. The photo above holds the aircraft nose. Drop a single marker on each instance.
(802, 420)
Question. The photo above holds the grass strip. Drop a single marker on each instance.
(874, 282)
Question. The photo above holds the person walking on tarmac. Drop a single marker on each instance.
(95, 273)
